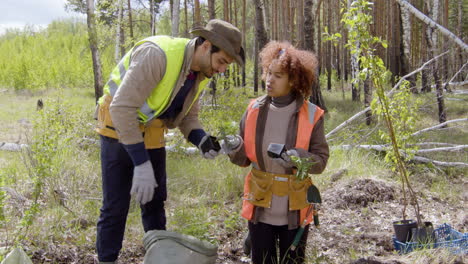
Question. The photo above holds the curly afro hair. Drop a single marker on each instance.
(300, 65)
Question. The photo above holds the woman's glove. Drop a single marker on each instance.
(285, 160)
(231, 143)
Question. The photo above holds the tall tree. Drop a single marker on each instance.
(261, 38)
(211, 9)
(186, 34)
(244, 13)
(197, 16)
(300, 23)
(175, 18)
(406, 46)
(93, 45)
(431, 37)
(310, 7)
(152, 12)
(120, 37)
(130, 23)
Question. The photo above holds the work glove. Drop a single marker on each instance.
(209, 147)
(285, 160)
(231, 143)
(144, 182)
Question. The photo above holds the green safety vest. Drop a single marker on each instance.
(160, 97)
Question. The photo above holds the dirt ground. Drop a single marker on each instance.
(356, 228)
(356, 225)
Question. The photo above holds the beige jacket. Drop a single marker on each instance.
(147, 68)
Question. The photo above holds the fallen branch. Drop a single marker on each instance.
(382, 148)
(450, 149)
(439, 125)
(433, 144)
(440, 163)
(454, 76)
(431, 23)
(12, 146)
(339, 127)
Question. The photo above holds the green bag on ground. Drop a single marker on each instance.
(166, 247)
(17, 256)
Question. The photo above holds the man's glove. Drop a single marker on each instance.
(144, 182)
(285, 160)
(209, 147)
(231, 143)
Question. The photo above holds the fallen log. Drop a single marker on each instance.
(383, 148)
(439, 126)
(12, 146)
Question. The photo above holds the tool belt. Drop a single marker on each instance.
(264, 184)
(153, 132)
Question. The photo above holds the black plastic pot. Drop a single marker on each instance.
(403, 229)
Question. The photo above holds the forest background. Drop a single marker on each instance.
(51, 77)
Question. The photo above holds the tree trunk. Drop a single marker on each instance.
(432, 45)
(186, 30)
(244, 13)
(196, 17)
(355, 87)
(255, 66)
(211, 9)
(120, 38)
(406, 46)
(368, 100)
(292, 13)
(328, 55)
(175, 18)
(308, 26)
(152, 17)
(93, 45)
(130, 23)
(310, 9)
(300, 24)
(260, 33)
(226, 10)
(268, 23)
(460, 32)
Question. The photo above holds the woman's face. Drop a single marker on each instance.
(277, 81)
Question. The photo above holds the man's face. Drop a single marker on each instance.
(213, 63)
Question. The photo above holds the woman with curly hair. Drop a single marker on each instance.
(274, 200)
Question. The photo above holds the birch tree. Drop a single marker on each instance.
(431, 37)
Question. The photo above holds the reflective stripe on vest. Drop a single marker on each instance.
(309, 114)
(159, 99)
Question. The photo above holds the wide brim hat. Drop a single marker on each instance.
(224, 36)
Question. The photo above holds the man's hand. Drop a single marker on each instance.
(144, 182)
(285, 160)
(209, 147)
(231, 143)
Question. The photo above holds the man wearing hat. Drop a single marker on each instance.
(154, 87)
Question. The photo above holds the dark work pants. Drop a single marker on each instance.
(267, 238)
(117, 175)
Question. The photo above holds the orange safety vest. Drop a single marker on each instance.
(309, 114)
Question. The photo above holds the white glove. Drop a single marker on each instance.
(144, 182)
(209, 154)
(285, 160)
(231, 143)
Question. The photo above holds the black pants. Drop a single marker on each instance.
(117, 175)
(267, 238)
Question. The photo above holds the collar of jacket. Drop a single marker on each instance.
(265, 100)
